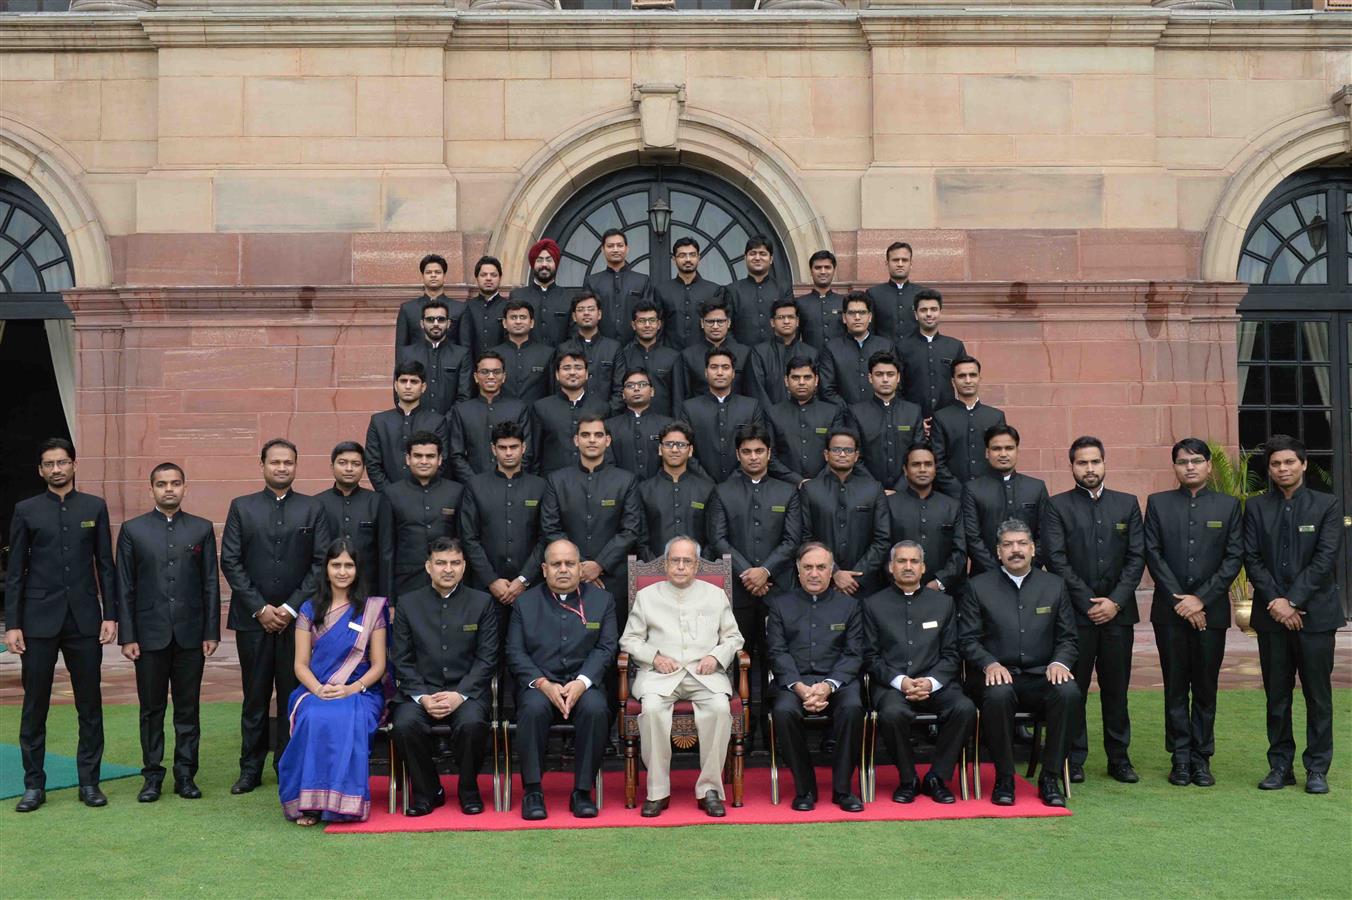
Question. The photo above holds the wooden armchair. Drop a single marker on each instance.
(683, 734)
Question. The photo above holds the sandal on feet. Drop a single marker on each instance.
(307, 821)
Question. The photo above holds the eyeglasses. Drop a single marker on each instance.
(50, 464)
(636, 385)
(717, 321)
(489, 373)
(675, 445)
(784, 317)
(437, 320)
(842, 451)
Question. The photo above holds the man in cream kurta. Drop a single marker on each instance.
(682, 635)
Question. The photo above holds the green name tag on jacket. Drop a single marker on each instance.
(1214, 524)
(695, 504)
(474, 627)
(1121, 526)
(89, 523)
(1043, 610)
(532, 502)
(593, 626)
(903, 428)
(820, 430)
(1306, 529)
(607, 502)
(778, 509)
(838, 626)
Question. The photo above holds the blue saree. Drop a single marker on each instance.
(325, 767)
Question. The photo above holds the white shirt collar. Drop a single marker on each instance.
(1017, 579)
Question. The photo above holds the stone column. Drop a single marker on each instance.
(1194, 4)
(110, 5)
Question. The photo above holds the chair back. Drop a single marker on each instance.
(641, 574)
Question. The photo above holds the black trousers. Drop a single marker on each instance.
(1033, 693)
(412, 730)
(1283, 655)
(84, 657)
(590, 718)
(266, 664)
(957, 718)
(846, 712)
(1105, 649)
(751, 623)
(157, 672)
(1190, 661)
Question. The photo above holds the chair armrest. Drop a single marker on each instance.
(622, 664)
(743, 677)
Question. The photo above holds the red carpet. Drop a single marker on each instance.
(757, 810)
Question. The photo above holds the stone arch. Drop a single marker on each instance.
(1270, 160)
(54, 174)
(613, 141)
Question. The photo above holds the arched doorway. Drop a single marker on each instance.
(1295, 337)
(35, 266)
(703, 206)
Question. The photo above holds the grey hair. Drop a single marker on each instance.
(1009, 526)
(809, 546)
(682, 537)
(909, 545)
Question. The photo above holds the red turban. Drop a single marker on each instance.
(545, 246)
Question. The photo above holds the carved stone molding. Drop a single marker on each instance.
(110, 5)
(1342, 106)
(512, 4)
(659, 114)
(1194, 4)
(784, 5)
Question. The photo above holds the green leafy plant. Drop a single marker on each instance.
(1232, 475)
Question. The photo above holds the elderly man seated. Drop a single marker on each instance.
(682, 637)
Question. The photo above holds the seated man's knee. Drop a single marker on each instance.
(999, 696)
(406, 719)
(654, 704)
(1065, 693)
(591, 703)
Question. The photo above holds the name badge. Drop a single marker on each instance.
(474, 627)
(447, 511)
(593, 626)
(532, 502)
(1043, 610)
(1215, 524)
(903, 428)
(1121, 526)
(695, 504)
(355, 626)
(821, 430)
(929, 625)
(838, 626)
(1306, 529)
(537, 368)
(607, 502)
(778, 509)
(88, 523)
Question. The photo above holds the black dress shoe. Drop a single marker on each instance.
(712, 805)
(90, 795)
(905, 792)
(1076, 773)
(187, 788)
(150, 791)
(1278, 778)
(418, 808)
(1123, 772)
(848, 802)
(244, 784)
(1201, 774)
(803, 803)
(1180, 774)
(1316, 783)
(581, 805)
(1003, 792)
(533, 806)
(653, 808)
(933, 786)
(1049, 789)
(471, 804)
(32, 798)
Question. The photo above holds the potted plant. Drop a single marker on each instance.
(1231, 475)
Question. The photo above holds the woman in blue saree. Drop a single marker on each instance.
(340, 663)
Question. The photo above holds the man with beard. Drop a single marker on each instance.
(752, 297)
(360, 516)
(769, 358)
(446, 365)
(887, 424)
(1018, 632)
(551, 302)
(389, 431)
(272, 556)
(1003, 494)
(1093, 538)
(169, 612)
(894, 299)
(407, 325)
(927, 356)
(917, 512)
(675, 500)
(647, 352)
(424, 507)
(846, 510)
(470, 424)
(61, 563)
(557, 416)
(481, 324)
(820, 308)
(682, 297)
(715, 320)
(528, 362)
(957, 430)
(716, 415)
(636, 429)
(617, 287)
(845, 360)
(815, 646)
(800, 424)
(600, 351)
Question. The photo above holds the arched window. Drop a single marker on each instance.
(35, 261)
(703, 206)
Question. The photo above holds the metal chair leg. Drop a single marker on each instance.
(774, 768)
(976, 755)
(600, 789)
(872, 728)
(507, 769)
(394, 775)
(497, 781)
(962, 772)
(1065, 775)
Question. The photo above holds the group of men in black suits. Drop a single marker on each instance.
(619, 416)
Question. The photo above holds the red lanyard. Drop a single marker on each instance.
(581, 611)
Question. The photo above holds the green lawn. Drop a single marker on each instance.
(1149, 839)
